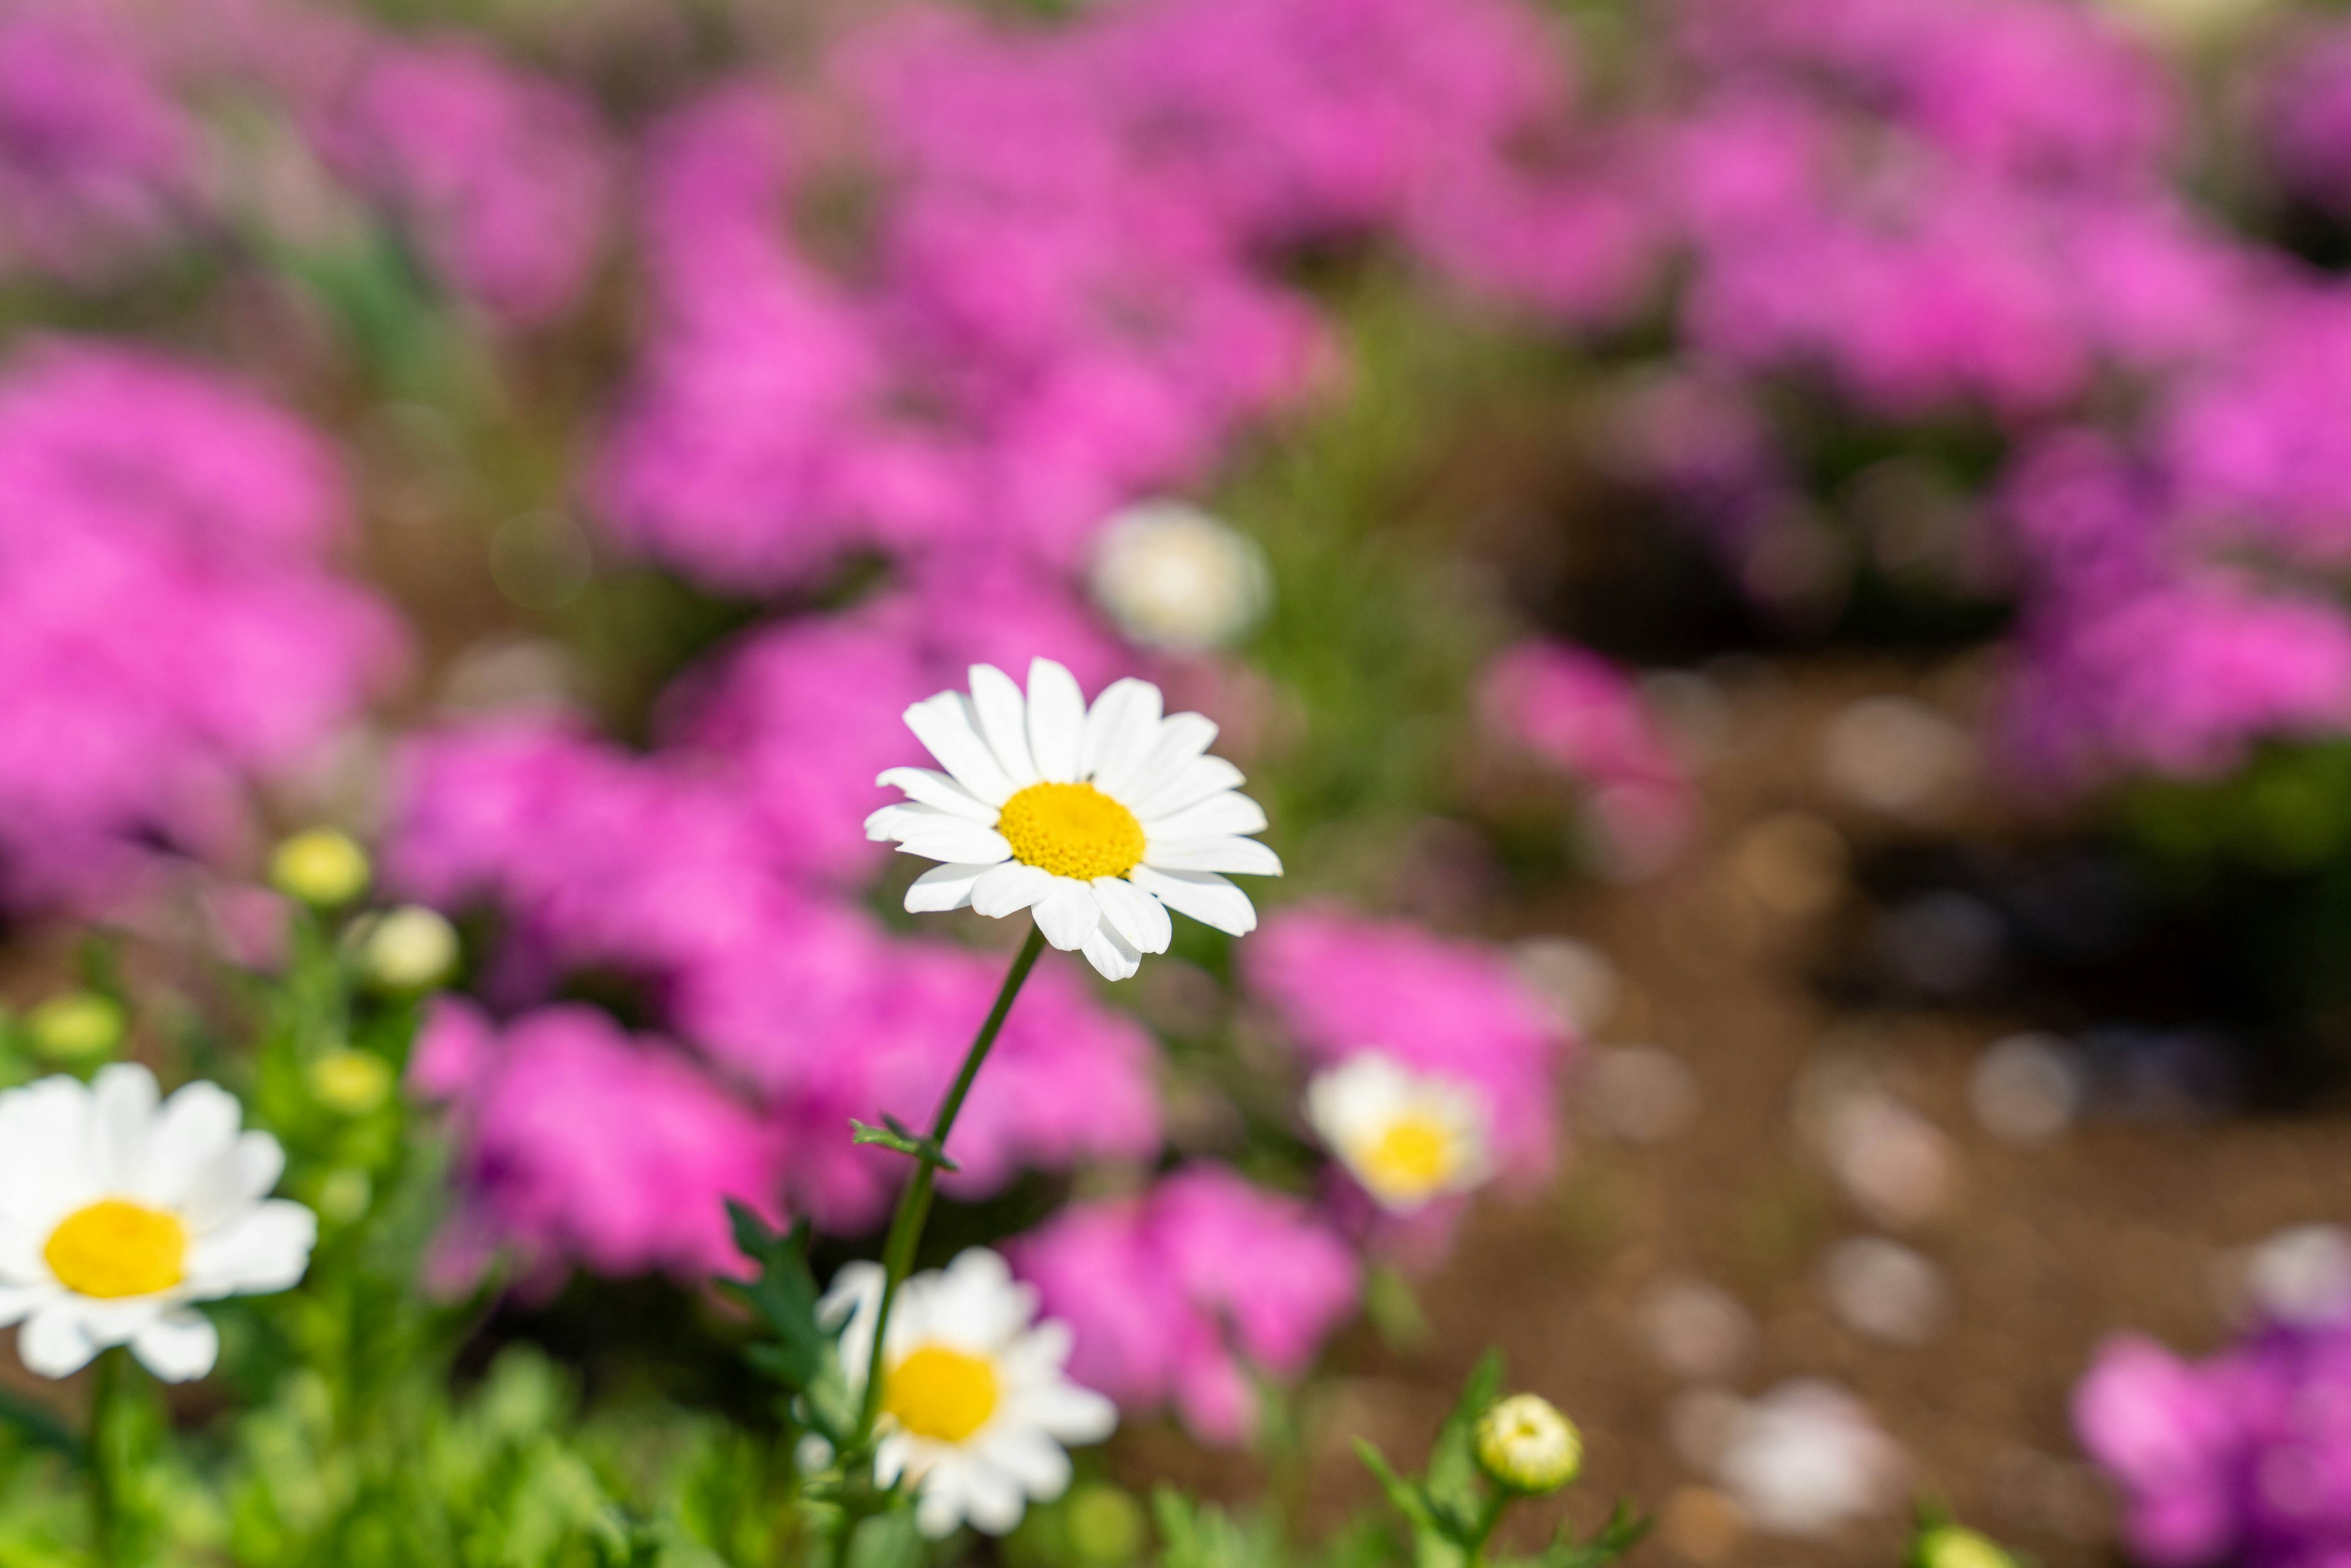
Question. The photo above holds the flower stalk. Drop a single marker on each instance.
(914, 1204)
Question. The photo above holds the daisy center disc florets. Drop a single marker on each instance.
(114, 1248)
(941, 1394)
(1071, 829)
(1413, 1155)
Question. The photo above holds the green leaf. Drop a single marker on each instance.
(896, 1138)
(1407, 1498)
(1457, 1490)
(1622, 1532)
(783, 1298)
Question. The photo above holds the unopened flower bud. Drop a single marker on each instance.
(1106, 1526)
(352, 1083)
(78, 1028)
(1526, 1445)
(322, 868)
(412, 948)
(1951, 1546)
(1173, 577)
(345, 1195)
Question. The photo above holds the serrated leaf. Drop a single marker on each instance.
(1403, 1495)
(1455, 1487)
(783, 1298)
(1622, 1532)
(900, 1141)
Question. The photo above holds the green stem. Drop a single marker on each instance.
(1489, 1516)
(105, 1440)
(914, 1203)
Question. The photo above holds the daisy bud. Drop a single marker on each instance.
(1525, 1445)
(78, 1028)
(323, 868)
(351, 1083)
(413, 948)
(1951, 1546)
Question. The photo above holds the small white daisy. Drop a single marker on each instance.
(1174, 577)
(1407, 1137)
(1100, 819)
(116, 1213)
(976, 1412)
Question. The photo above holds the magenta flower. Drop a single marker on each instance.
(502, 176)
(1340, 987)
(1179, 1296)
(169, 628)
(579, 1141)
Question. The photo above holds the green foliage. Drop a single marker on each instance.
(800, 1353)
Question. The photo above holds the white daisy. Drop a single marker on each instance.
(1407, 1137)
(976, 1412)
(1100, 819)
(116, 1213)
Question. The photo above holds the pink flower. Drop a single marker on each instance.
(503, 175)
(169, 628)
(1340, 985)
(1577, 712)
(580, 1141)
(96, 158)
(1181, 1295)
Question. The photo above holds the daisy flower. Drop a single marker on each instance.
(976, 1411)
(1408, 1138)
(116, 1212)
(1102, 820)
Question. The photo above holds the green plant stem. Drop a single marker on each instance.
(914, 1203)
(105, 1443)
(1489, 1516)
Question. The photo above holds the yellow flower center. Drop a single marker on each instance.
(1071, 829)
(941, 1394)
(1414, 1157)
(115, 1248)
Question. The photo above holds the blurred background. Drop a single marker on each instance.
(1778, 566)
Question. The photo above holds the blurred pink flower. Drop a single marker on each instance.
(580, 1141)
(1180, 1295)
(1340, 984)
(504, 176)
(169, 628)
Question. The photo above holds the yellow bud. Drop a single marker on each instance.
(322, 868)
(410, 949)
(1526, 1445)
(352, 1083)
(77, 1028)
(1951, 1546)
(344, 1195)
(1106, 1527)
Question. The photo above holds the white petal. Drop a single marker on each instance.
(935, 790)
(1057, 720)
(945, 838)
(991, 1501)
(1039, 1464)
(1226, 811)
(1009, 888)
(1203, 895)
(1246, 856)
(944, 887)
(1181, 739)
(1003, 723)
(255, 1254)
(1072, 1413)
(1135, 914)
(1188, 786)
(122, 1110)
(54, 1341)
(938, 1510)
(1120, 726)
(1110, 954)
(19, 1301)
(178, 1347)
(196, 1127)
(237, 1178)
(46, 1166)
(1068, 915)
(945, 723)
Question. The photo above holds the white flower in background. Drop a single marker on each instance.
(1174, 577)
(976, 1412)
(1100, 819)
(1806, 1457)
(1407, 1137)
(116, 1213)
